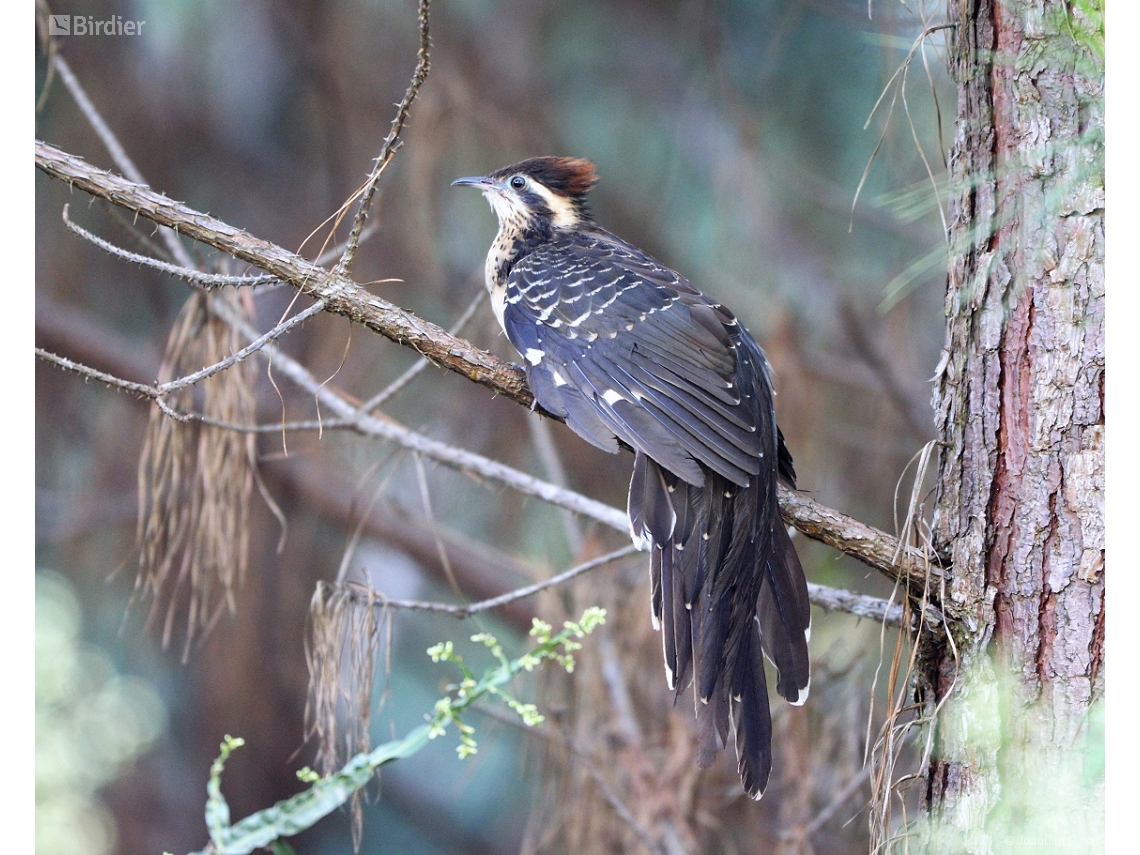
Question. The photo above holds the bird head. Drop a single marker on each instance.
(540, 191)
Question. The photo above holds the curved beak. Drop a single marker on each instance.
(478, 181)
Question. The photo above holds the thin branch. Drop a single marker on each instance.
(344, 297)
(861, 605)
(363, 516)
(543, 440)
(191, 275)
(305, 425)
(251, 348)
(462, 612)
(111, 380)
(429, 515)
(63, 328)
(849, 789)
(94, 374)
(441, 452)
(830, 599)
(157, 393)
(392, 141)
(334, 252)
(408, 376)
(115, 148)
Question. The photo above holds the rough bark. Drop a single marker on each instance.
(1019, 402)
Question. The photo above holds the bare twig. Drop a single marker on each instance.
(116, 150)
(363, 516)
(392, 141)
(251, 348)
(441, 452)
(543, 439)
(831, 599)
(860, 605)
(462, 612)
(343, 296)
(191, 275)
(849, 789)
(158, 392)
(617, 686)
(63, 328)
(408, 376)
(94, 374)
(484, 571)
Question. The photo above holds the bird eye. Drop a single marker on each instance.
(518, 182)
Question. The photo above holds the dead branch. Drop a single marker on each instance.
(345, 297)
(342, 295)
(391, 142)
(830, 599)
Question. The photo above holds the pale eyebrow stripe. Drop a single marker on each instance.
(565, 214)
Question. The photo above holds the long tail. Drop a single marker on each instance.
(727, 590)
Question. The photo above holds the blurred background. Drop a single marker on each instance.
(731, 139)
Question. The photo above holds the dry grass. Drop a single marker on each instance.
(195, 481)
(347, 627)
(905, 714)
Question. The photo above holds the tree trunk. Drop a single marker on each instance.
(1019, 401)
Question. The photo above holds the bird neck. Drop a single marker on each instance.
(516, 239)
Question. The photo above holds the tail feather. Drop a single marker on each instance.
(713, 636)
(713, 723)
(727, 586)
(787, 469)
(784, 618)
(669, 614)
(752, 719)
(687, 573)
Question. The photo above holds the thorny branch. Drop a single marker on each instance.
(193, 276)
(114, 147)
(341, 295)
(161, 390)
(345, 297)
(831, 599)
(392, 141)
(463, 612)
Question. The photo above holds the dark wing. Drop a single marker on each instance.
(624, 348)
(620, 346)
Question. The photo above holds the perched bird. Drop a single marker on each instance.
(628, 352)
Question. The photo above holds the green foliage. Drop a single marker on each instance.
(91, 723)
(1085, 22)
(1051, 797)
(266, 828)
